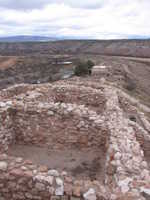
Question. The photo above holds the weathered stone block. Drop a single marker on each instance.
(40, 186)
(3, 166)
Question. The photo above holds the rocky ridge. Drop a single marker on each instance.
(96, 115)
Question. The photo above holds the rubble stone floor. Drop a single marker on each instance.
(83, 164)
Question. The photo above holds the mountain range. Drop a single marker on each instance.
(27, 38)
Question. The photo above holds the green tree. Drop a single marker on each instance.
(90, 64)
(83, 68)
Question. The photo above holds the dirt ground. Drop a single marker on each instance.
(7, 62)
(80, 164)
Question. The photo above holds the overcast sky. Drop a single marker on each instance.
(99, 19)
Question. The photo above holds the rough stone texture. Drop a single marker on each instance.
(6, 129)
(66, 93)
(3, 166)
(58, 129)
(125, 171)
(90, 194)
(76, 113)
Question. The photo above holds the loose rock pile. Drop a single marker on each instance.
(73, 114)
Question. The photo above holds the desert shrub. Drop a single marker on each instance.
(83, 68)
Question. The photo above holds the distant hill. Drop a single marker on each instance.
(26, 38)
(44, 45)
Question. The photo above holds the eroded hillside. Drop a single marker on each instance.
(31, 69)
(136, 48)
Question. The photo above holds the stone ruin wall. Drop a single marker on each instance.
(6, 129)
(126, 176)
(144, 140)
(127, 169)
(138, 121)
(30, 123)
(92, 98)
(15, 90)
(21, 179)
(17, 180)
(58, 125)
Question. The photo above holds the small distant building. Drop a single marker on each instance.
(100, 71)
(57, 62)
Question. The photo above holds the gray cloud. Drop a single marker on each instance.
(36, 4)
(23, 4)
(101, 19)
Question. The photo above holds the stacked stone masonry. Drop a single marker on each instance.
(73, 114)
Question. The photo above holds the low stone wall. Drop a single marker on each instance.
(127, 169)
(59, 126)
(92, 98)
(143, 138)
(15, 90)
(131, 110)
(138, 121)
(35, 122)
(37, 118)
(21, 179)
(87, 96)
(6, 129)
(85, 82)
